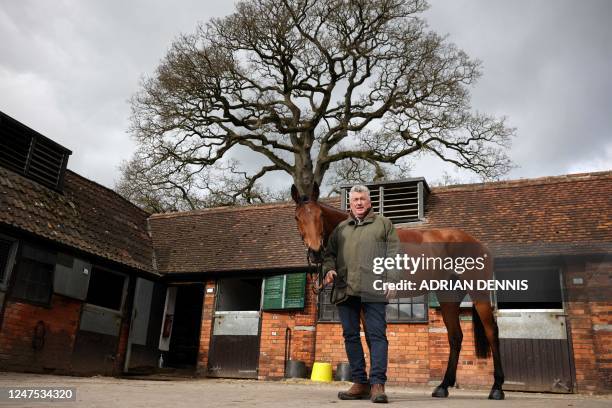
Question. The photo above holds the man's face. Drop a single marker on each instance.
(360, 204)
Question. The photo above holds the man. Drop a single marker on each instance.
(348, 263)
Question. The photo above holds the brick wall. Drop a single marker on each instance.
(408, 350)
(61, 322)
(470, 369)
(330, 345)
(601, 319)
(418, 353)
(274, 326)
(590, 321)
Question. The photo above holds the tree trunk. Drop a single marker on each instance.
(303, 176)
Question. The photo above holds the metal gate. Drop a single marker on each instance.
(234, 349)
(533, 336)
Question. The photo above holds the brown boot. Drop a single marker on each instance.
(378, 394)
(356, 392)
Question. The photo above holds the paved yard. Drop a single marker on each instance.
(106, 392)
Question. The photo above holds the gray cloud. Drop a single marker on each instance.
(68, 69)
(546, 67)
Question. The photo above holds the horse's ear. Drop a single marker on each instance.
(315, 192)
(295, 194)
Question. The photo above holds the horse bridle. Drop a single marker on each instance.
(316, 274)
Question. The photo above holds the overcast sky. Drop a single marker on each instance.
(69, 67)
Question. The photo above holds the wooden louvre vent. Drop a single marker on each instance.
(401, 201)
(31, 154)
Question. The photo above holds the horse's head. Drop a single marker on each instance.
(309, 217)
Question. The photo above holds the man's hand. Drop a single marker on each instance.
(329, 277)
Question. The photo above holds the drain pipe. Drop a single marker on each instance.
(287, 349)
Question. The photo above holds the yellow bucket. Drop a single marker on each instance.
(321, 372)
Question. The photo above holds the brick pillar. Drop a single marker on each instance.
(590, 323)
(581, 329)
(208, 310)
(601, 320)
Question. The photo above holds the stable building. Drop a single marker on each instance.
(72, 256)
(90, 284)
(554, 231)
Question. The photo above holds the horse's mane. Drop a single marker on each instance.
(333, 209)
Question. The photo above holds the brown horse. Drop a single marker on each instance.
(316, 221)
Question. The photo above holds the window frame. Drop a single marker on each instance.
(124, 291)
(20, 257)
(324, 302)
(410, 301)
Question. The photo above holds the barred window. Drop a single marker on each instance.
(34, 280)
(403, 310)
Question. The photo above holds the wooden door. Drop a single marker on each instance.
(234, 349)
(533, 332)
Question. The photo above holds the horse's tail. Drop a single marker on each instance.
(480, 338)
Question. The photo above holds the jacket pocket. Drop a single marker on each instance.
(339, 291)
(338, 294)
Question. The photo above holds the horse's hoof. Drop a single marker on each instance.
(440, 392)
(496, 394)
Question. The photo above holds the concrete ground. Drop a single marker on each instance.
(109, 392)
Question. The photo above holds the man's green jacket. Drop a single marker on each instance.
(351, 250)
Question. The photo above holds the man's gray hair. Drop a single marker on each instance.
(359, 188)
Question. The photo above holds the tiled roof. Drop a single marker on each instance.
(558, 211)
(559, 214)
(230, 238)
(87, 216)
(563, 214)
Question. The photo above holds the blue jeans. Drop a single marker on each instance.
(376, 338)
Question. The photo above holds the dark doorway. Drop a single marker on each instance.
(185, 340)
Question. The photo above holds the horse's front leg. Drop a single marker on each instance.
(450, 315)
(485, 312)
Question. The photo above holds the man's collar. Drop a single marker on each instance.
(369, 217)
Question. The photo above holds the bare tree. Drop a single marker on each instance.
(312, 85)
(170, 186)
